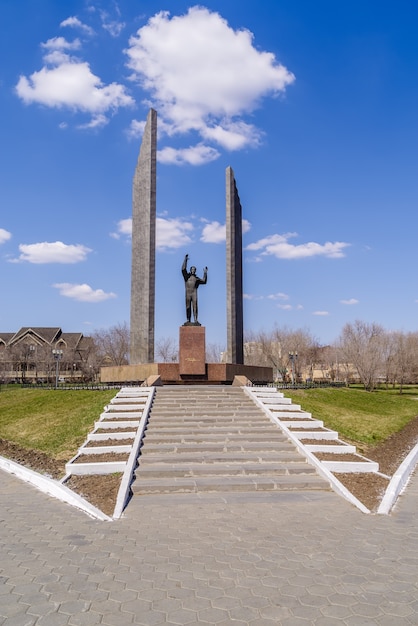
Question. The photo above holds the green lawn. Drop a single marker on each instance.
(57, 422)
(359, 415)
(54, 422)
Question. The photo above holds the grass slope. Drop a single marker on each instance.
(53, 422)
(359, 415)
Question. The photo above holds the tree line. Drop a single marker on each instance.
(364, 352)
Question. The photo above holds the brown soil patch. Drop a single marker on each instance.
(106, 457)
(94, 443)
(101, 491)
(33, 459)
(308, 430)
(330, 456)
(125, 429)
(369, 488)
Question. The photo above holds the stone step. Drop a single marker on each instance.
(191, 421)
(220, 439)
(176, 470)
(203, 448)
(209, 406)
(218, 428)
(228, 484)
(228, 456)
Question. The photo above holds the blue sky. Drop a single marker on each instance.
(313, 104)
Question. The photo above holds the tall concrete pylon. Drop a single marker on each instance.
(143, 247)
(234, 289)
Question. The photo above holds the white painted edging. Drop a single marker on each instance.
(52, 488)
(123, 492)
(323, 471)
(398, 482)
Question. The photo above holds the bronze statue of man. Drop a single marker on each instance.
(192, 282)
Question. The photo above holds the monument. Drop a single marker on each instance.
(192, 283)
(234, 292)
(143, 247)
(192, 366)
(192, 340)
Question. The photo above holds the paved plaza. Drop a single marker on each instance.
(285, 559)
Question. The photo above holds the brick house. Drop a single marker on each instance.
(36, 354)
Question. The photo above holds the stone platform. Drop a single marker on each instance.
(215, 373)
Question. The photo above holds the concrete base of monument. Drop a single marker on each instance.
(215, 374)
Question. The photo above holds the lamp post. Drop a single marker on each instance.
(57, 356)
(32, 350)
(292, 357)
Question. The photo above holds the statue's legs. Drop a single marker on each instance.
(194, 303)
(188, 308)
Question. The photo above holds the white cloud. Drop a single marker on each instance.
(278, 246)
(124, 228)
(232, 135)
(278, 296)
(83, 293)
(74, 22)
(350, 301)
(57, 252)
(204, 76)
(246, 226)
(4, 235)
(194, 155)
(97, 121)
(113, 26)
(285, 307)
(72, 84)
(214, 232)
(60, 43)
(68, 82)
(321, 313)
(170, 232)
(250, 296)
(136, 128)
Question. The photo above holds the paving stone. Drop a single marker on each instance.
(224, 560)
(84, 619)
(19, 620)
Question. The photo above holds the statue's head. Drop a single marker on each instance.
(192, 270)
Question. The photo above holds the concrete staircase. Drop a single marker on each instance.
(215, 439)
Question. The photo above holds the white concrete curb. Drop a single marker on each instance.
(398, 482)
(52, 488)
(124, 489)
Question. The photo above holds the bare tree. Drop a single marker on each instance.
(362, 346)
(406, 353)
(166, 350)
(112, 345)
(288, 352)
(214, 352)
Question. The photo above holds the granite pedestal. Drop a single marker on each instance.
(192, 350)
